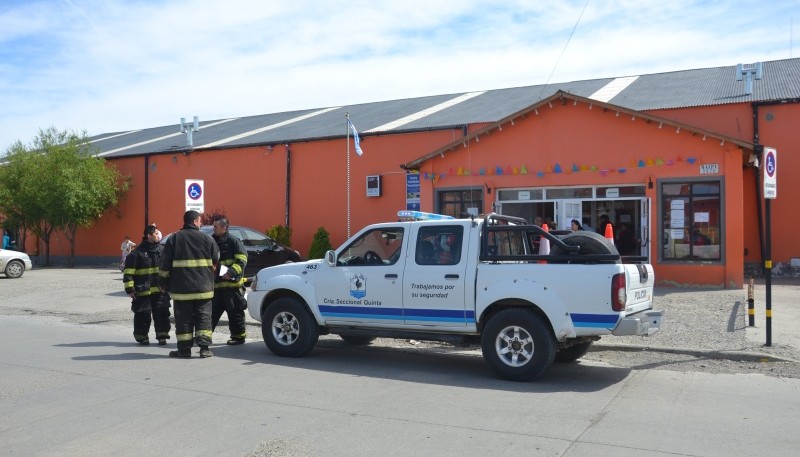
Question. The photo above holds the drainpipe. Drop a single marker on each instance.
(287, 208)
(146, 190)
(757, 170)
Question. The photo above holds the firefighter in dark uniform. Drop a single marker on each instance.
(140, 277)
(187, 273)
(229, 286)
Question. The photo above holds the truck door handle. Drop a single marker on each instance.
(390, 276)
(450, 276)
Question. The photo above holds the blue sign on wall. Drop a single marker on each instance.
(412, 191)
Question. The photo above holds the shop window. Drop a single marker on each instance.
(456, 203)
(556, 193)
(691, 220)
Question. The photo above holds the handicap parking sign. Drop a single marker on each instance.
(194, 195)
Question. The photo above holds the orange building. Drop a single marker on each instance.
(670, 158)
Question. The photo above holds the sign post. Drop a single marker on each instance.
(769, 162)
(195, 194)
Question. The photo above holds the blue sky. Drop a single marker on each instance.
(112, 65)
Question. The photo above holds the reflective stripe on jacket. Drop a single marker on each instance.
(140, 275)
(188, 264)
(233, 255)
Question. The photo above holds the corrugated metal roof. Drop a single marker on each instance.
(687, 88)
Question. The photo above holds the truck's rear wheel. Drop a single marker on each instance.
(589, 242)
(573, 353)
(517, 345)
(289, 330)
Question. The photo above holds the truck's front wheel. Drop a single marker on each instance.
(517, 345)
(288, 328)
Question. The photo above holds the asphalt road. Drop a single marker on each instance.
(73, 382)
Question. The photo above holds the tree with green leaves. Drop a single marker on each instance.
(58, 183)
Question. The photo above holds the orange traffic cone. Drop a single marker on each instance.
(610, 232)
(544, 244)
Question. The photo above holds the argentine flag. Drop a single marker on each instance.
(355, 137)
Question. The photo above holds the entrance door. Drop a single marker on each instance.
(644, 234)
(570, 209)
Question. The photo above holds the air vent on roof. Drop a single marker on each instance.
(188, 129)
(747, 71)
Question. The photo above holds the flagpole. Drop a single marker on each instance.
(347, 128)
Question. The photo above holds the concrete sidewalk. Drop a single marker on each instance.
(785, 326)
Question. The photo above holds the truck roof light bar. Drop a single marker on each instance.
(421, 216)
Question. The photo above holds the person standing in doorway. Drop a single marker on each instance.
(187, 272)
(575, 225)
(586, 224)
(126, 248)
(140, 277)
(229, 283)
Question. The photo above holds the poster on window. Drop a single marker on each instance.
(412, 191)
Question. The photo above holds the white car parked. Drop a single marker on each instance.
(14, 263)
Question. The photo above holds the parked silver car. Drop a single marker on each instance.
(14, 263)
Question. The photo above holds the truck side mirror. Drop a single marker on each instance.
(330, 256)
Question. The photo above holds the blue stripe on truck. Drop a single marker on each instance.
(594, 320)
(427, 315)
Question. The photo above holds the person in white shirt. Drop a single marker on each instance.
(127, 247)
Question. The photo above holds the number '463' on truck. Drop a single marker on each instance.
(479, 281)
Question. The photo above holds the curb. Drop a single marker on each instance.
(734, 355)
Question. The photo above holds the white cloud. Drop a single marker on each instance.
(113, 65)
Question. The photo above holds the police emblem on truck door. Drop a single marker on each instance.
(358, 286)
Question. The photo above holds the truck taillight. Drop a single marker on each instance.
(618, 295)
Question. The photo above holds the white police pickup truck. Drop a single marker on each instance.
(467, 281)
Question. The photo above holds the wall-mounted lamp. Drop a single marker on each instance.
(660, 124)
(536, 111)
(488, 189)
(617, 113)
(174, 158)
(550, 104)
(575, 103)
(678, 130)
(477, 139)
(649, 182)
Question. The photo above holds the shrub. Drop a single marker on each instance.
(281, 233)
(320, 244)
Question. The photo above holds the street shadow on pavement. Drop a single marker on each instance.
(120, 356)
(435, 367)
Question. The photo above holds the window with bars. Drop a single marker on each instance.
(456, 202)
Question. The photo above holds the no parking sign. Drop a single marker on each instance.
(194, 193)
